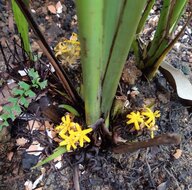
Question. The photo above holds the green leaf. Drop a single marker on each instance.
(4, 124)
(12, 116)
(36, 81)
(1, 127)
(57, 152)
(8, 109)
(30, 93)
(13, 100)
(17, 91)
(33, 74)
(24, 85)
(17, 109)
(24, 102)
(43, 84)
(70, 109)
(34, 84)
(4, 116)
(22, 26)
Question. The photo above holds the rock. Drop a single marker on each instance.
(29, 161)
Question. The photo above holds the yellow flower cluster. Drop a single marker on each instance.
(68, 50)
(72, 133)
(144, 118)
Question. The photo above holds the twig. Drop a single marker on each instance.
(4, 57)
(149, 168)
(171, 175)
(165, 139)
(76, 177)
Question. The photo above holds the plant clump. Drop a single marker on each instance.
(68, 50)
(72, 133)
(144, 118)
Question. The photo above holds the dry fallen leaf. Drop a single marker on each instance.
(37, 181)
(177, 154)
(21, 141)
(52, 134)
(59, 7)
(162, 186)
(1, 108)
(10, 156)
(52, 9)
(48, 125)
(33, 125)
(40, 188)
(177, 79)
(35, 148)
(56, 139)
(28, 185)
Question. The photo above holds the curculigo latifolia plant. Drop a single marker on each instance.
(20, 95)
(107, 31)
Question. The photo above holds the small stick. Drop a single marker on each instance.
(76, 177)
(165, 139)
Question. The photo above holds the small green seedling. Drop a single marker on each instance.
(19, 99)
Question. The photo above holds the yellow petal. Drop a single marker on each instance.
(63, 143)
(81, 142)
(137, 126)
(85, 131)
(87, 139)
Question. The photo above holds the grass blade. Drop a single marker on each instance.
(57, 152)
(22, 26)
(70, 109)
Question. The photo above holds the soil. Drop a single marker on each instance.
(160, 167)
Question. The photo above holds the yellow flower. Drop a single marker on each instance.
(152, 129)
(72, 133)
(82, 135)
(68, 50)
(150, 117)
(65, 125)
(136, 119)
(69, 141)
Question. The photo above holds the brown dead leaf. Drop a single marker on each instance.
(148, 102)
(1, 108)
(21, 141)
(3, 41)
(56, 139)
(10, 156)
(40, 188)
(28, 185)
(35, 46)
(11, 23)
(35, 148)
(130, 73)
(33, 125)
(162, 186)
(177, 154)
(52, 9)
(178, 81)
(59, 7)
(48, 125)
